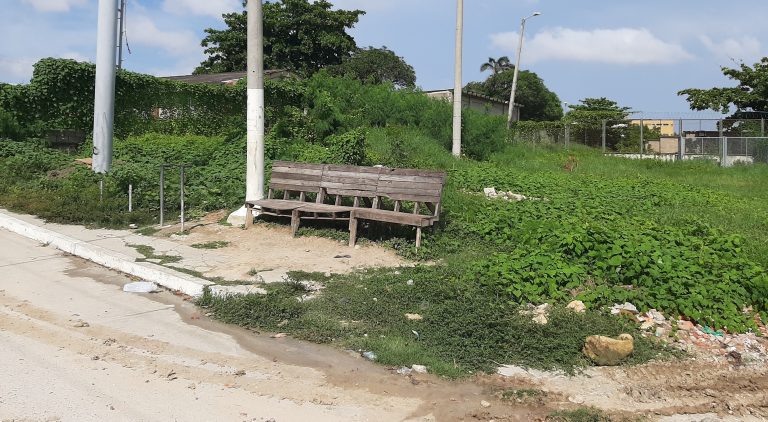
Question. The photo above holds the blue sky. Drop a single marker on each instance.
(637, 53)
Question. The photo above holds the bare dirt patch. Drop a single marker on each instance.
(269, 248)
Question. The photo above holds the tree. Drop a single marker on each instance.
(597, 109)
(377, 65)
(538, 102)
(751, 94)
(300, 35)
(496, 66)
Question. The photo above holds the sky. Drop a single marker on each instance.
(639, 54)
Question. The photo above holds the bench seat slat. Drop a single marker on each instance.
(393, 217)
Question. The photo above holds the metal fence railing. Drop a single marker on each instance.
(727, 141)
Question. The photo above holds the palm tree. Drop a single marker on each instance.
(496, 65)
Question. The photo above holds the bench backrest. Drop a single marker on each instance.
(296, 177)
(419, 186)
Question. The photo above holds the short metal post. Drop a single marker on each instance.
(681, 142)
(567, 135)
(762, 127)
(130, 197)
(101, 190)
(642, 137)
(722, 143)
(604, 135)
(181, 188)
(162, 194)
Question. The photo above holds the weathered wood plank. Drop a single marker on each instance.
(295, 182)
(398, 178)
(393, 217)
(297, 176)
(413, 172)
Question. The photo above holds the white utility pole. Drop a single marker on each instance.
(458, 85)
(121, 35)
(517, 70)
(254, 179)
(104, 102)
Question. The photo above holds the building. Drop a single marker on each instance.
(228, 78)
(478, 102)
(666, 126)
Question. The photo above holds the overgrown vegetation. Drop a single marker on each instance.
(685, 238)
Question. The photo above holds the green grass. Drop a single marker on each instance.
(216, 244)
(150, 255)
(587, 415)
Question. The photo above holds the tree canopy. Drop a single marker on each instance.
(300, 35)
(597, 109)
(750, 95)
(377, 65)
(537, 101)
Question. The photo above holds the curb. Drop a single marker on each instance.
(113, 260)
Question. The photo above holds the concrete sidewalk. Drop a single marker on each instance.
(109, 248)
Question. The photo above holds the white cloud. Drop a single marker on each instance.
(214, 8)
(743, 49)
(16, 70)
(143, 31)
(614, 46)
(55, 5)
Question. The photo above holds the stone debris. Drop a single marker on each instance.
(606, 351)
(419, 369)
(414, 317)
(538, 314)
(485, 404)
(404, 371)
(577, 306)
(491, 193)
(81, 324)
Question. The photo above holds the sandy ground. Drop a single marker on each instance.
(272, 250)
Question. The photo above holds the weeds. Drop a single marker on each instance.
(216, 244)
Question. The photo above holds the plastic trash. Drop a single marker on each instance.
(369, 355)
(140, 287)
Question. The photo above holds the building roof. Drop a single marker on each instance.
(472, 94)
(226, 78)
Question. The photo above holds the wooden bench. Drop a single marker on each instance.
(353, 193)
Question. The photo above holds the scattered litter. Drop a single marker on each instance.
(416, 333)
(409, 282)
(369, 355)
(133, 226)
(485, 404)
(279, 335)
(414, 317)
(627, 309)
(538, 313)
(419, 369)
(404, 371)
(140, 287)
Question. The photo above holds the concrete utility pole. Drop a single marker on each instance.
(458, 85)
(255, 161)
(104, 102)
(121, 36)
(517, 71)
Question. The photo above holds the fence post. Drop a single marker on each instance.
(567, 135)
(130, 197)
(724, 152)
(604, 135)
(762, 127)
(181, 188)
(162, 194)
(681, 142)
(642, 137)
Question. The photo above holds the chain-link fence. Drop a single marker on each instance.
(726, 141)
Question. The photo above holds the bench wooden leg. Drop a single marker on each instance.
(248, 216)
(295, 221)
(418, 237)
(352, 230)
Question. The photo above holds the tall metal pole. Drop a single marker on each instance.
(254, 183)
(120, 37)
(458, 81)
(104, 103)
(517, 70)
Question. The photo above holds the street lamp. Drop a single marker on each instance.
(517, 69)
